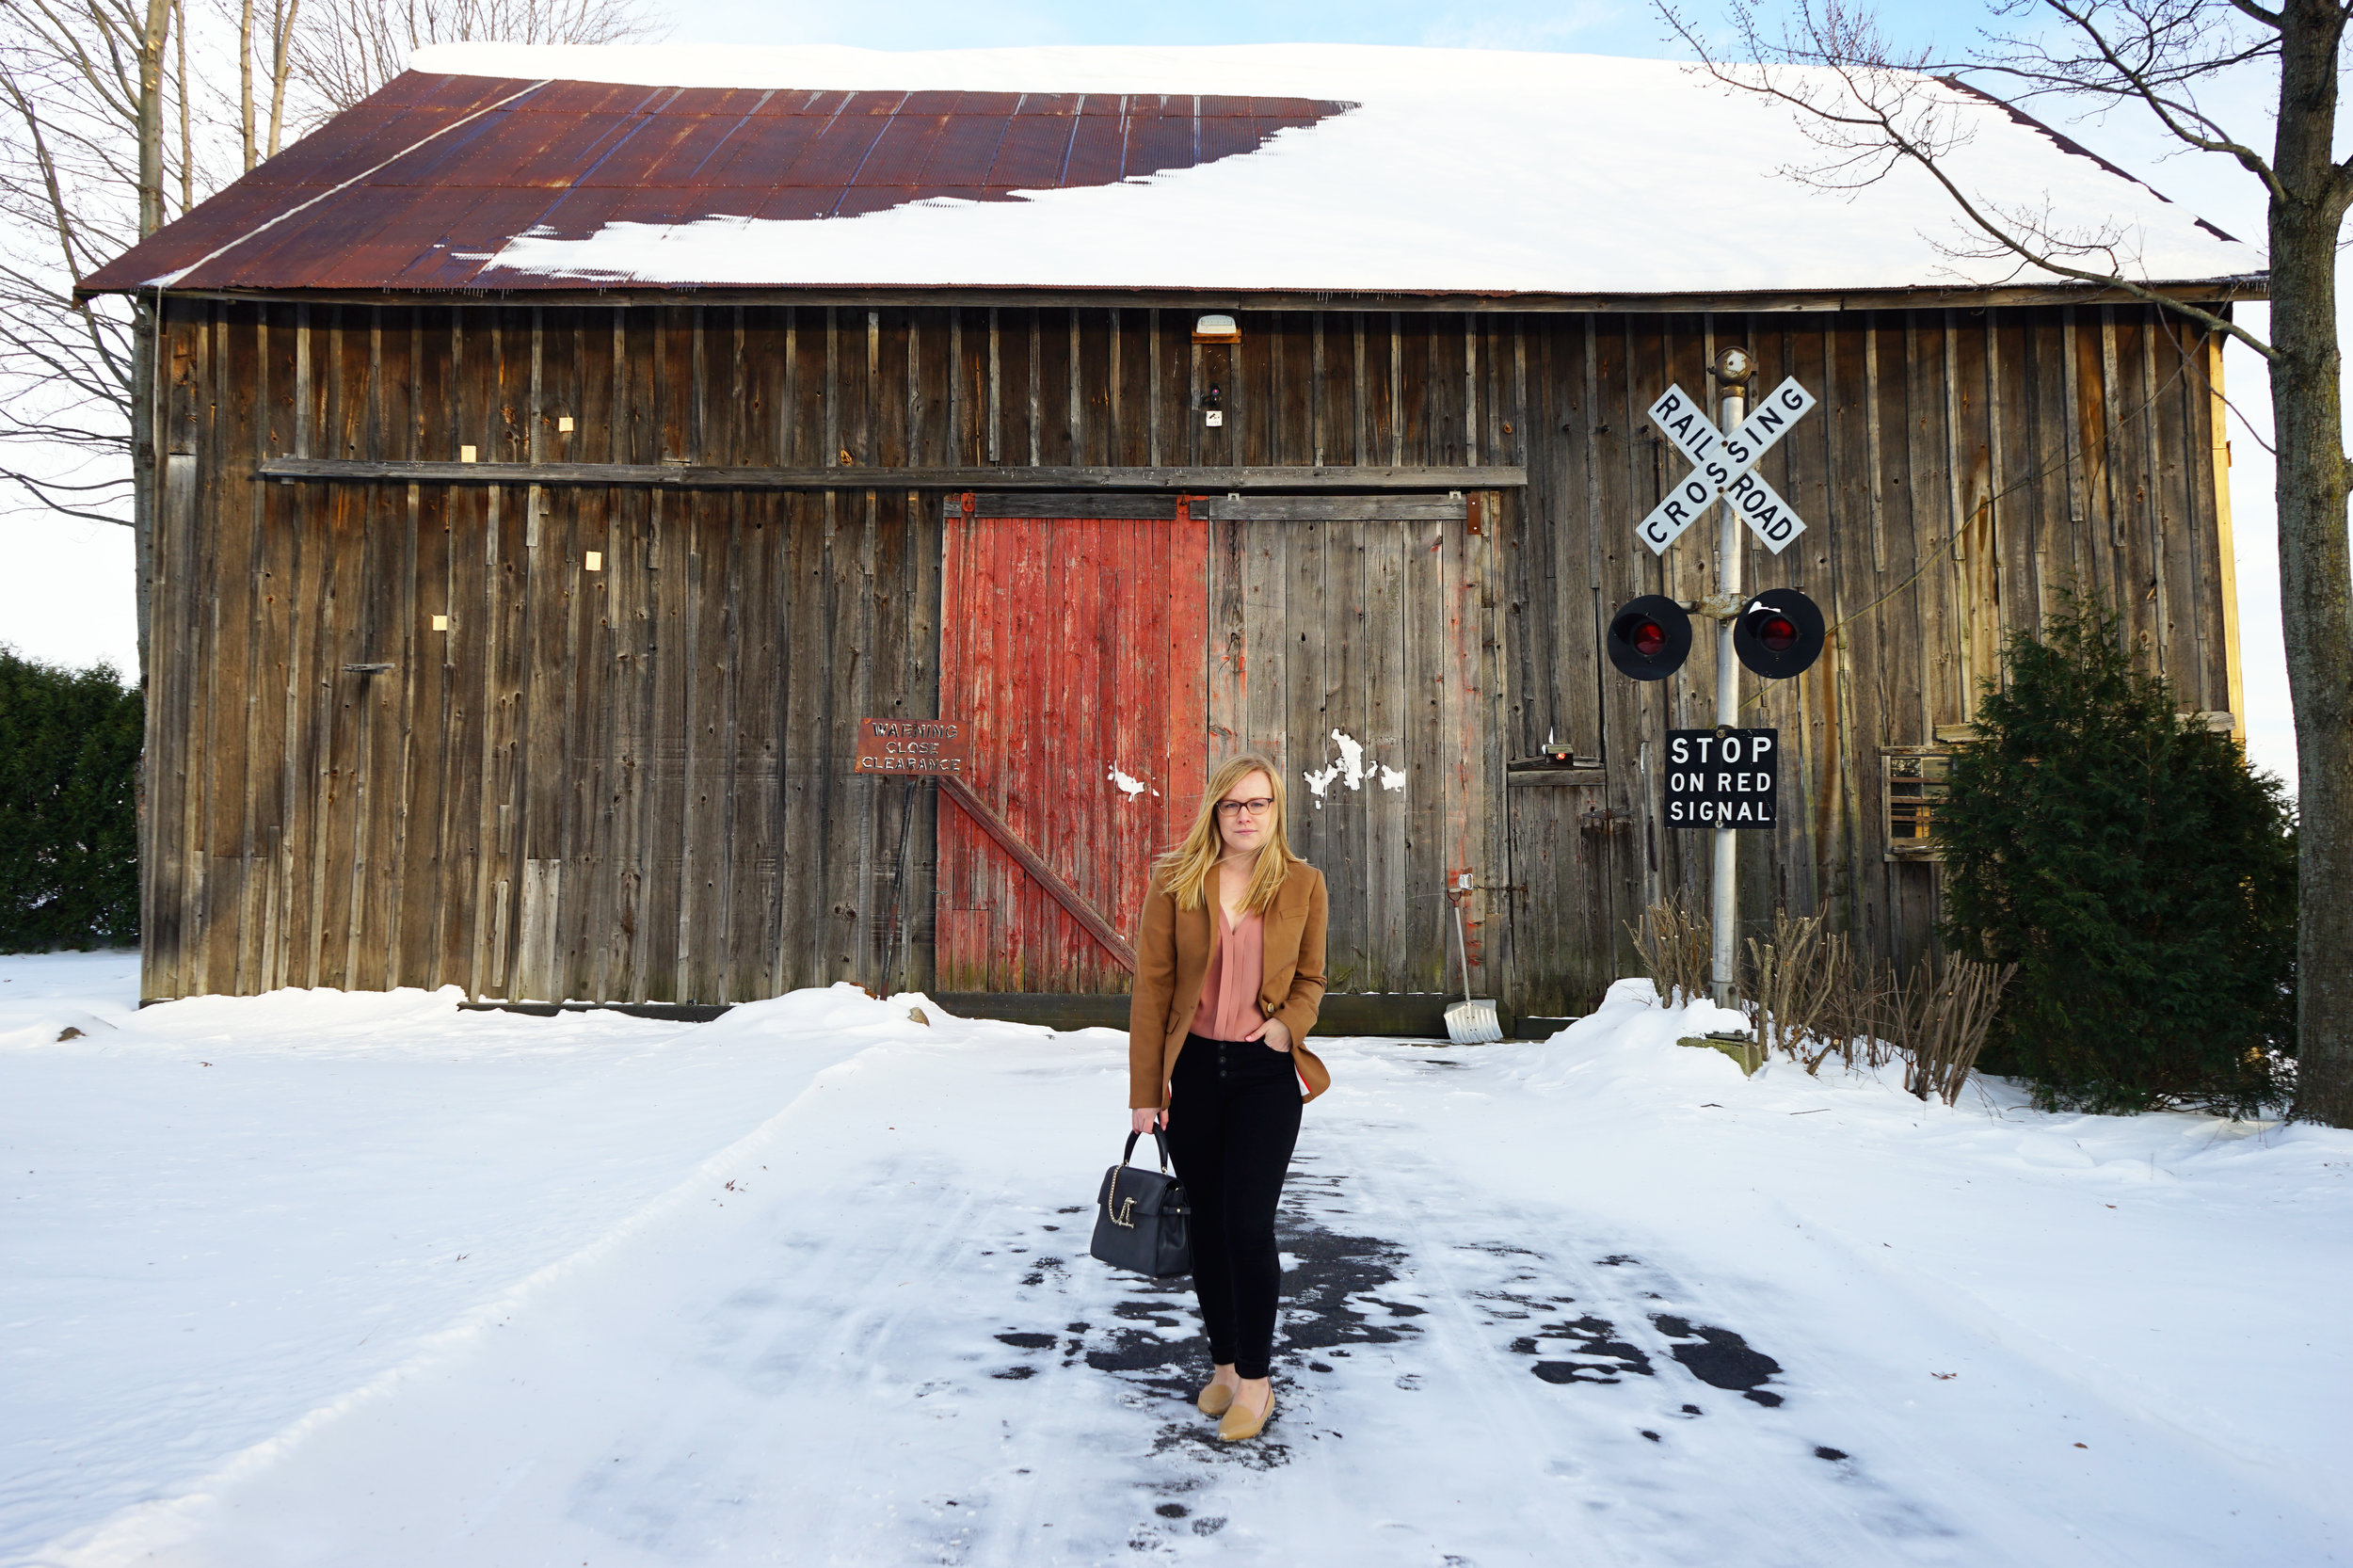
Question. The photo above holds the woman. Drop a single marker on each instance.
(1229, 974)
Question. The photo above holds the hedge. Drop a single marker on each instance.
(69, 787)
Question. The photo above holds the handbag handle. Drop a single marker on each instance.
(1121, 1214)
(1129, 1154)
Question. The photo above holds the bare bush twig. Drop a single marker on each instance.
(1675, 941)
(1938, 1023)
(1791, 983)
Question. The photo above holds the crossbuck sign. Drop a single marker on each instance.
(1723, 467)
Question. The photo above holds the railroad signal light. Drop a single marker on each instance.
(1649, 637)
(1779, 633)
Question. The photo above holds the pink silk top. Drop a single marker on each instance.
(1229, 990)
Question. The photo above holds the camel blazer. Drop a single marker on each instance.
(1173, 962)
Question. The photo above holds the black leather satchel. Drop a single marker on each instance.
(1140, 1221)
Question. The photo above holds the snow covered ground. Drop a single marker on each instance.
(315, 1278)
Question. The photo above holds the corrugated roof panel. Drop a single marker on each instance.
(676, 204)
(513, 150)
(932, 102)
(345, 140)
(966, 149)
(463, 249)
(763, 149)
(727, 104)
(581, 212)
(717, 143)
(1224, 134)
(414, 153)
(378, 237)
(1030, 155)
(1158, 140)
(213, 224)
(1098, 151)
(878, 105)
(834, 155)
(659, 141)
(592, 99)
(857, 200)
(653, 138)
(1002, 103)
(798, 204)
(901, 150)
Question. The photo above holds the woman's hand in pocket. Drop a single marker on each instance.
(1273, 1033)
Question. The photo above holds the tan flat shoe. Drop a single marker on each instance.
(1239, 1423)
(1215, 1398)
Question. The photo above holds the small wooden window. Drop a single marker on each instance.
(1914, 781)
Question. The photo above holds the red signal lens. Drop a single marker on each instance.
(1777, 633)
(1648, 638)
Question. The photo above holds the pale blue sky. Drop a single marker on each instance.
(1590, 26)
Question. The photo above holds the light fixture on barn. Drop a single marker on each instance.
(1216, 328)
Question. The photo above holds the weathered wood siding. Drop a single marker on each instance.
(632, 783)
(1964, 467)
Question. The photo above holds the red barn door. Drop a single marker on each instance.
(1076, 648)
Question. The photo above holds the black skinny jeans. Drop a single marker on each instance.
(1233, 1118)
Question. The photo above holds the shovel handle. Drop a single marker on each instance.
(1462, 948)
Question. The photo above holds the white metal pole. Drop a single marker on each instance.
(1725, 965)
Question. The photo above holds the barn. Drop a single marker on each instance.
(563, 455)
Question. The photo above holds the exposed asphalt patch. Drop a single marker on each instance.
(1583, 1349)
(1721, 1358)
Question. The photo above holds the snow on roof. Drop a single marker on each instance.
(1407, 170)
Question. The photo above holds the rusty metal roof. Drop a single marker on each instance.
(420, 187)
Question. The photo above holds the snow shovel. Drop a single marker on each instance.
(1469, 1022)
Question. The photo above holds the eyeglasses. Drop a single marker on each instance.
(1257, 808)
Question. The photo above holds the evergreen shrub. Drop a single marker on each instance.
(2140, 874)
(69, 833)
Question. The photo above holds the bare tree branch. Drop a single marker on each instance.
(2167, 52)
(53, 486)
(1871, 110)
(347, 49)
(72, 173)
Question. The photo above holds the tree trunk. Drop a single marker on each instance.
(2315, 575)
(282, 66)
(143, 463)
(152, 40)
(244, 79)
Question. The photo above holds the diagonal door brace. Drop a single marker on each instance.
(1064, 894)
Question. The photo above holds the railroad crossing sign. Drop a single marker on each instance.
(1722, 467)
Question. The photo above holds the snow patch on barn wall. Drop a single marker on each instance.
(1351, 770)
(1128, 784)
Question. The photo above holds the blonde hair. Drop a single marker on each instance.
(1184, 870)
